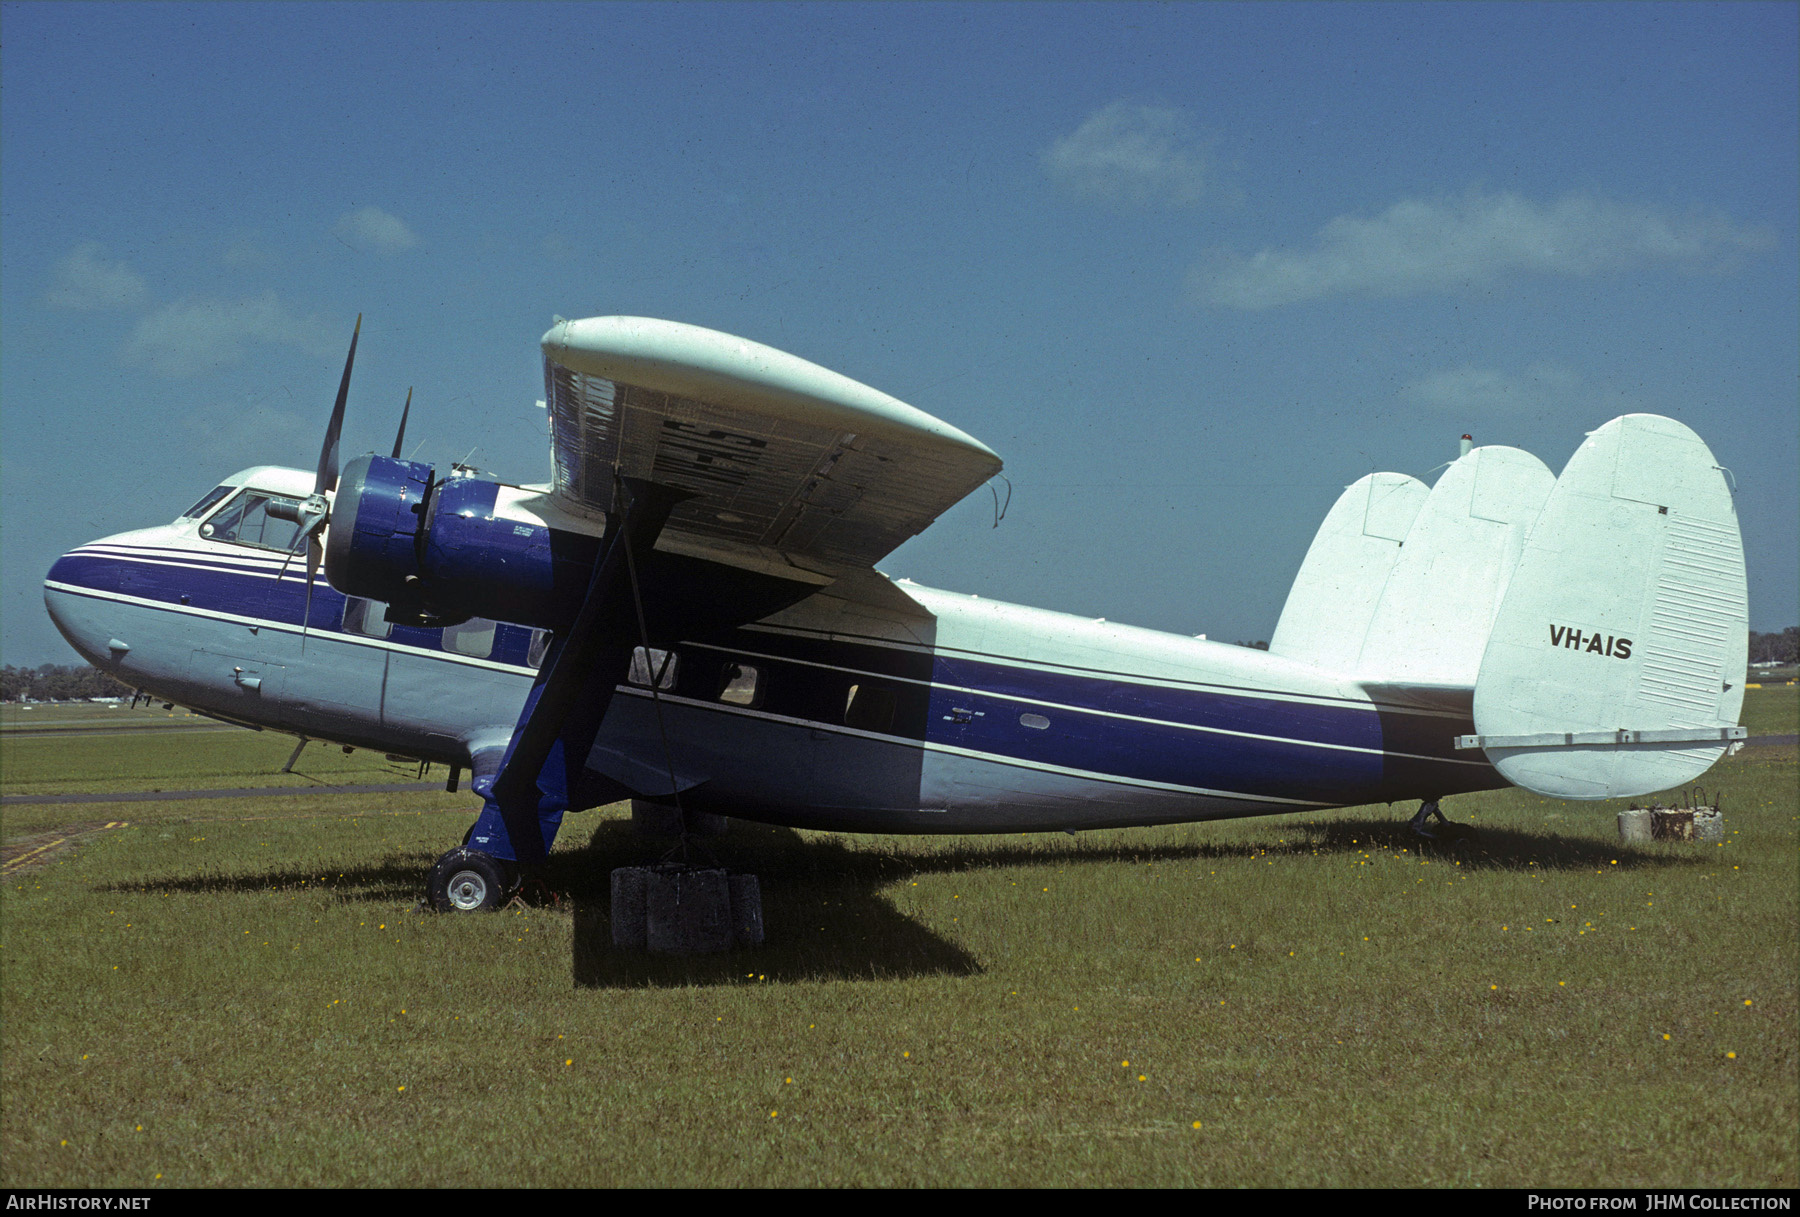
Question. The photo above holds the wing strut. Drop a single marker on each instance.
(662, 730)
(545, 762)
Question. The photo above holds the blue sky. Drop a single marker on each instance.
(1189, 269)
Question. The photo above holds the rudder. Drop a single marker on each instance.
(1616, 664)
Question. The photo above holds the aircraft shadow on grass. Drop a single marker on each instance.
(1485, 848)
(822, 902)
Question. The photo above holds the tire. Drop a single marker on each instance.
(467, 881)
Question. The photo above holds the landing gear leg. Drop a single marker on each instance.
(1421, 822)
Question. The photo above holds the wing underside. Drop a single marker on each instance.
(778, 453)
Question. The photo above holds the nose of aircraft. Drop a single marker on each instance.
(81, 592)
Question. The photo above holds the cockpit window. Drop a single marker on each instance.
(246, 521)
(204, 505)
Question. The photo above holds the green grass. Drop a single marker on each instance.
(237, 992)
(1772, 710)
(71, 749)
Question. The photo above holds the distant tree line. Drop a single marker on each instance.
(56, 682)
(1778, 648)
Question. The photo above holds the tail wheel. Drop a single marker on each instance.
(466, 881)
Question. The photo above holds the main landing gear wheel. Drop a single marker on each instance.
(467, 881)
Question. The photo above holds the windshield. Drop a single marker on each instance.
(204, 505)
(246, 520)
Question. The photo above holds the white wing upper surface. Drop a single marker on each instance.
(781, 454)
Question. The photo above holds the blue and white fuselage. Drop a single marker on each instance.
(867, 705)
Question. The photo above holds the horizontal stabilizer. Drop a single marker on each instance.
(1566, 739)
(1625, 618)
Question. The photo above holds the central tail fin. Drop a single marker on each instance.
(1439, 604)
(1401, 585)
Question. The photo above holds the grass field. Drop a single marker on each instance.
(238, 992)
(156, 749)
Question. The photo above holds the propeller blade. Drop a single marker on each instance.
(404, 411)
(328, 455)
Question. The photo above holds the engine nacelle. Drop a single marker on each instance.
(444, 550)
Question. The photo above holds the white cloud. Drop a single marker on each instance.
(1425, 245)
(1133, 154)
(373, 229)
(196, 335)
(85, 279)
(245, 253)
(1471, 390)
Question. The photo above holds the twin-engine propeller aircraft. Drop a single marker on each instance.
(688, 615)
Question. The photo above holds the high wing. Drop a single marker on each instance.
(780, 454)
(685, 440)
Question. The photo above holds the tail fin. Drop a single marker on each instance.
(1616, 663)
(1401, 585)
(1339, 585)
(1432, 623)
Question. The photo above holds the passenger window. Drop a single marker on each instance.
(204, 505)
(473, 637)
(365, 617)
(663, 663)
(1037, 722)
(740, 685)
(246, 521)
(540, 646)
(869, 707)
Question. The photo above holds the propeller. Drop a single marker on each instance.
(404, 411)
(313, 514)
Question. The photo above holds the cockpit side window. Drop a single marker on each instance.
(204, 505)
(245, 520)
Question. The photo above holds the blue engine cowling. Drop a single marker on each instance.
(436, 551)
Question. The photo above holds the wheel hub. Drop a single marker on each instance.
(467, 890)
